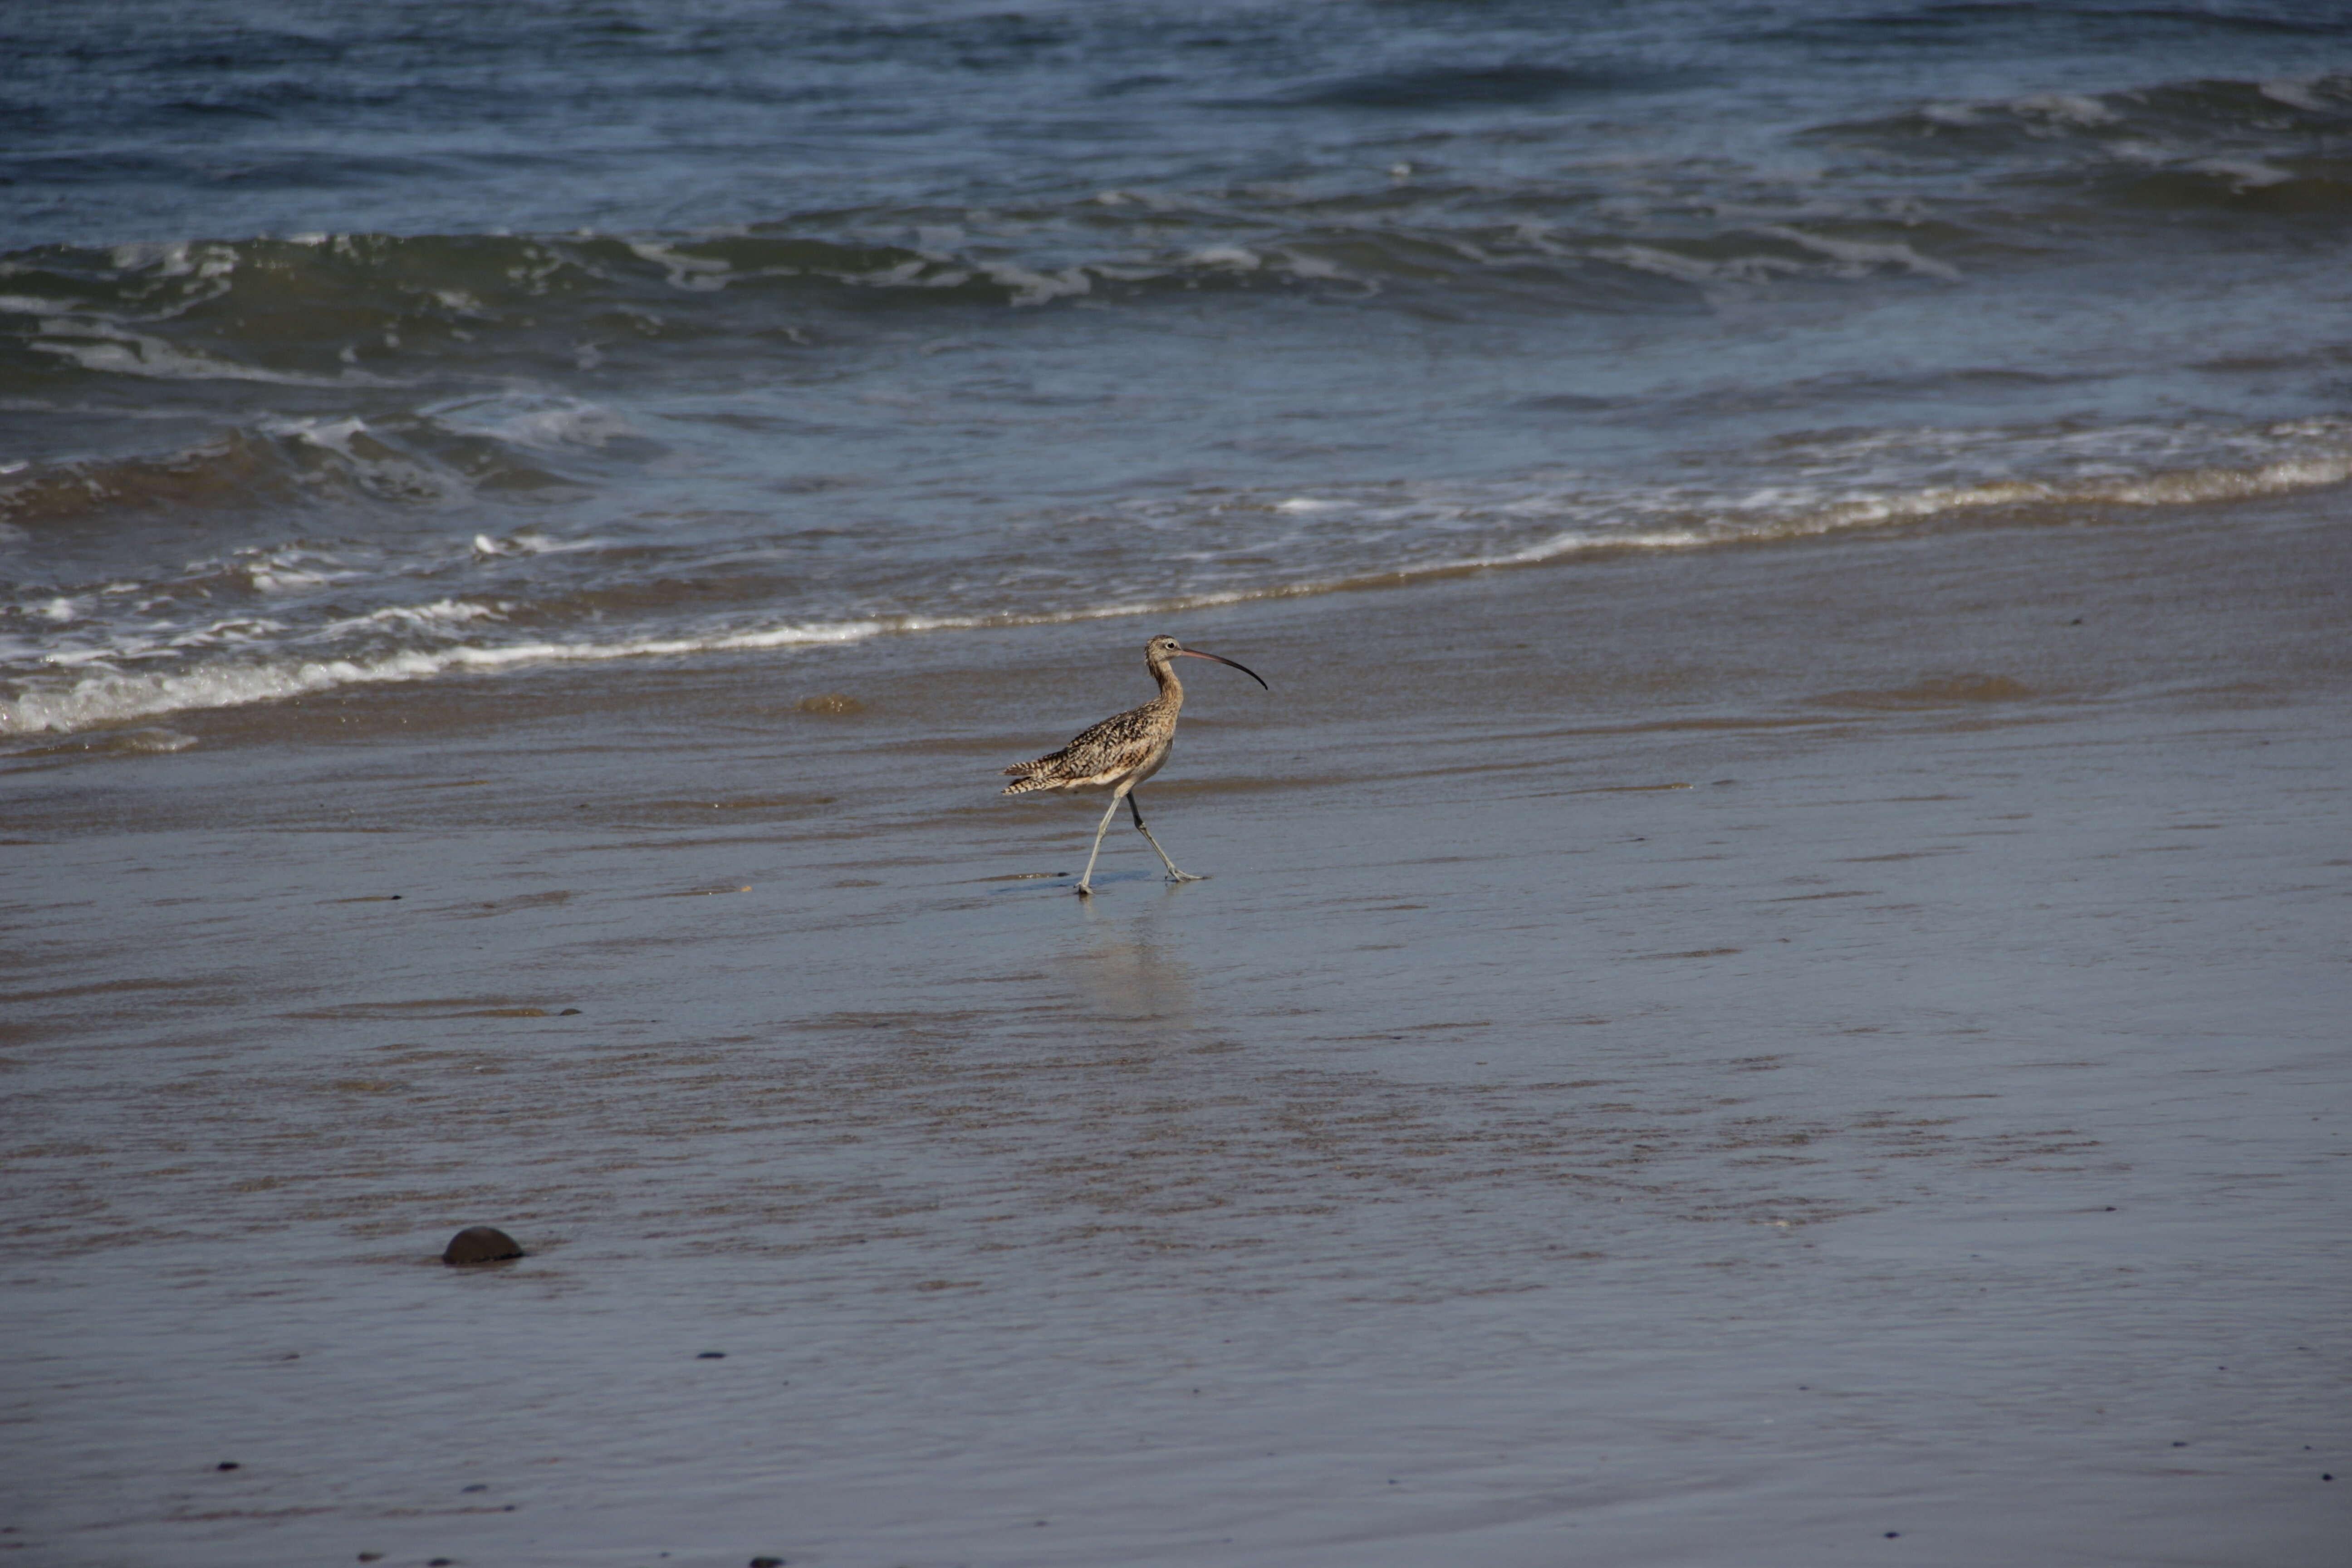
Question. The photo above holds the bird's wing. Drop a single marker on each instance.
(1120, 743)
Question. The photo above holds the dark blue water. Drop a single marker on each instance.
(418, 341)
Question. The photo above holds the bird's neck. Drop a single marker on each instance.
(1171, 690)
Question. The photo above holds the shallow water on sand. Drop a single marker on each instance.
(1711, 1101)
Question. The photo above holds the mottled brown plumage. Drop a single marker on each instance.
(1120, 752)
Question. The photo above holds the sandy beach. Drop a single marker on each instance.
(1825, 1056)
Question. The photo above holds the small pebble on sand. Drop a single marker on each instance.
(480, 1244)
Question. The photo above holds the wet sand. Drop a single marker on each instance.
(1822, 1054)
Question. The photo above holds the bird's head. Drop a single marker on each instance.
(1160, 650)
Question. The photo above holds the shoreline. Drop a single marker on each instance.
(1510, 1153)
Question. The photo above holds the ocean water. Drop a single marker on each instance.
(424, 340)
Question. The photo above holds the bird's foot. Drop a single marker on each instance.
(1184, 877)
(1083, 890)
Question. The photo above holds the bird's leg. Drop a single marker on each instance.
(1173, 874)
(1085, 877)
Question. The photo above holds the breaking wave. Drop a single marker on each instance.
(284, 622)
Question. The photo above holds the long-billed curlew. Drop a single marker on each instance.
(1121, 753)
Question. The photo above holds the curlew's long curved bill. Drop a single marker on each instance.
(1245, 670)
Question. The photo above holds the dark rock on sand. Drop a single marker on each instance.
(480, 1244)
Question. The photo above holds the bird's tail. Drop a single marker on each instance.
(1027, 776)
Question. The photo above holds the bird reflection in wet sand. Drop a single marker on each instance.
(1120, 752)
(1129, 973)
